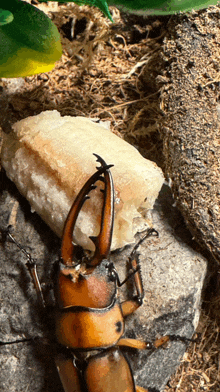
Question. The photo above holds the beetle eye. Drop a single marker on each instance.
(112, 274)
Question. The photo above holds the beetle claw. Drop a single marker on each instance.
(101, 178)
(99, 159)
(103, 241)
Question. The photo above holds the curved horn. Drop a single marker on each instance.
(67, 246)
(103, 240)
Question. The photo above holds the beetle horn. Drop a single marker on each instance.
(103, 240)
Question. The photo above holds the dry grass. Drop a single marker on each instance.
(200, 366)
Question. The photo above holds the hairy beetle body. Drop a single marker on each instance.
(94, 290)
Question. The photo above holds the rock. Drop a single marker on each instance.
(173, 275)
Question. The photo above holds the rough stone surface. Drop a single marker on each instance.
(173, 275)
(190, 127)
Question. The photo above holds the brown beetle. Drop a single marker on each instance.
(89, 319)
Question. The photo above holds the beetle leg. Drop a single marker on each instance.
(103, 240)
(129, 306)
(143, 345)
(140, 389)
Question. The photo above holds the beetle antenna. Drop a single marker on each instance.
(27, 254)
(31, 266)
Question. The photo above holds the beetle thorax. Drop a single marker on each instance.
(81, 287)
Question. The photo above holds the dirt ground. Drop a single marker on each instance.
(104, 72)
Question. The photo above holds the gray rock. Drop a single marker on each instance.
(173, 275)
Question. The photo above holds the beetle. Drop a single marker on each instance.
(89, 318)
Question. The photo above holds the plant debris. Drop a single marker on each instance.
(100, 75)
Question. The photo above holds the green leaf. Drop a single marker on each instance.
(30, 43)
(5, 17)
(101, 4)
(160, 7)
